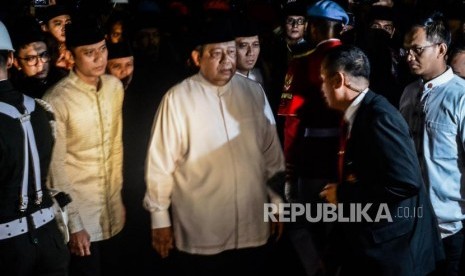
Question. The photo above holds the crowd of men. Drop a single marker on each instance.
(171, 125)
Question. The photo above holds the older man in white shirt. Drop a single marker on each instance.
(213, 148)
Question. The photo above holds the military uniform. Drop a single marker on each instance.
(30, 242)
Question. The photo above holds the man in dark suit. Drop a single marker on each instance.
(379, 171)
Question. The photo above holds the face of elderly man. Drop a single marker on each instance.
(217, 62)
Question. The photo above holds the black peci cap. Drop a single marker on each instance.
(215, 30)
(83, 31)
(295, 8)
(381, 13)
(243, 27)
(119, 50)
(26, 31)
(53, 11)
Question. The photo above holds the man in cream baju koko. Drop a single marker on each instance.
(87, 158)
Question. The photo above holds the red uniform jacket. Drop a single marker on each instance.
(302, 101)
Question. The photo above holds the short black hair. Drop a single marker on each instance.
(350, 59)
(437, 30)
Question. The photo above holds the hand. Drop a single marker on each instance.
(79, 243)
(329, 193)
(162, 240)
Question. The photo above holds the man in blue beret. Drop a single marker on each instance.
(311, 131)
(328, 10)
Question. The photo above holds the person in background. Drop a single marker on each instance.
(389, 71)
(456, 58)
(434, 110)
(290, 42)
(53, 21)
(311, 130)
(121, 62)
(30, 241)
(379, 170)
(117, 29)
(248, 49)
(88, 154)
(213, 148)
(32, 73)
(295, 26)
(382, 18)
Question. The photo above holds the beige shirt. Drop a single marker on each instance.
(88, 153)
(211, 153)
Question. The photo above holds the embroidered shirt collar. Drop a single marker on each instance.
(84, 85)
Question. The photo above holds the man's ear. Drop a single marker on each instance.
(338, 80)
(9, 60)
(442, 50)
(16, 63)
(195, 55)
(44, 27)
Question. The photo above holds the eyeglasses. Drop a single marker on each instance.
(33, 60)
(416, 50)
(293, 22)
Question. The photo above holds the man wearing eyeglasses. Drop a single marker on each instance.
(291, 42)
(295, 26)
(434, 107)
(32, 73)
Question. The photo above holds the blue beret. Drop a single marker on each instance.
(329, 10)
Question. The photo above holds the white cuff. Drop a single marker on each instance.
(160, 219)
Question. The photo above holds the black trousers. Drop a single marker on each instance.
(454, 264)
(246, 261)
(48, 256)
(105, 259)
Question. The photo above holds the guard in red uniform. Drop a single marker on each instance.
(312, 129)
